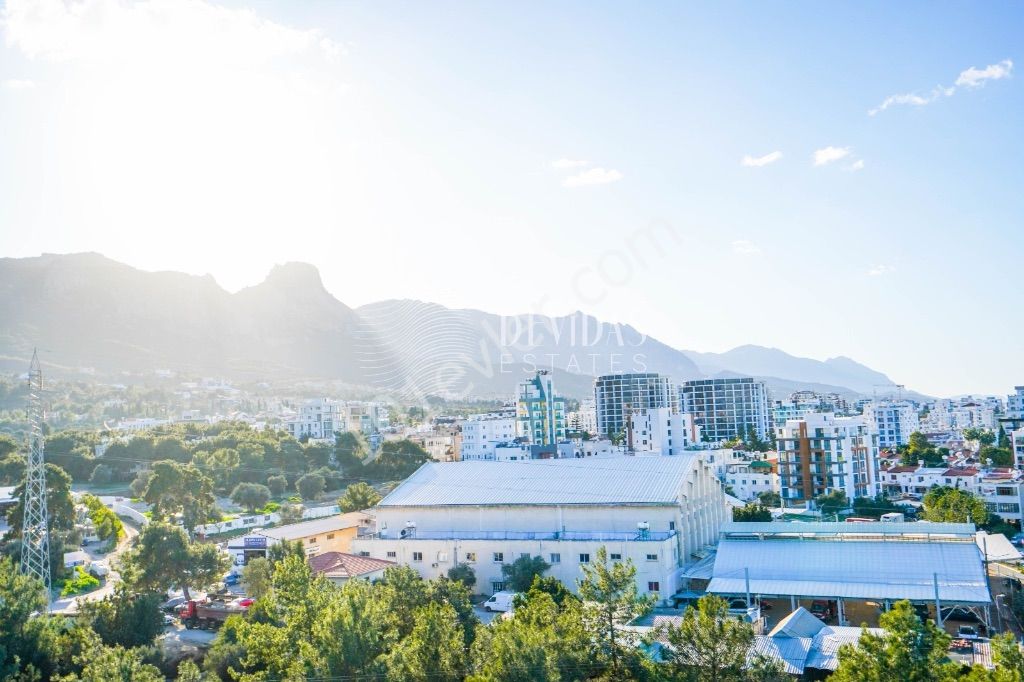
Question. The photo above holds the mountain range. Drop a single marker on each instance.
(87, 311)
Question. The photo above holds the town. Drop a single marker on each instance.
(799, 524)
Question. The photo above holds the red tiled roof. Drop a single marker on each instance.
(901, 470)
(344, 565)
(960, 472)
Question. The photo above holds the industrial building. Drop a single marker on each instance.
(659, 512)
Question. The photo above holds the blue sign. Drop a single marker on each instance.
(255, 542)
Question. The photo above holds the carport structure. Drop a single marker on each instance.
(926, 563)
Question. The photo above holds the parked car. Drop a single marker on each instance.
(232, 579)
(500, 601)
(172, 604)
(1018, 539)
(822, 609)
(99, 569)
(967, 632)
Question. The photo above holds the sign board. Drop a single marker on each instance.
(255, 542)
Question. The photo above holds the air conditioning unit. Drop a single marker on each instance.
(433, 565)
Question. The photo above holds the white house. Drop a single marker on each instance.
(482, 432)
(662, 430)
(657, 512)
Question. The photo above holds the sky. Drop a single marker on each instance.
(825, 178)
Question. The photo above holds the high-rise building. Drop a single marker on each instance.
(540, 413)
(617, 394)
(727, 408)
(823, 453)
(661, 430)
(893, 421)
(1015, 403)
(481, 433)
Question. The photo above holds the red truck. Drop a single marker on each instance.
(207, 615)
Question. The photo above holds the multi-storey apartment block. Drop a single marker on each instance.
(540, 413)
(727, 408)
(823, 453)
(893, 421)
(616, 395)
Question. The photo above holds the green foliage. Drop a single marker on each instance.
(908, 651)
(919, 449)
(610, 599)
(357, 497)
(520, 574)
(176, 488)
(463, 573)
(751, 512)
(277, 485)
(1000, 457)
(770, 498)
(139, 483)
(310, 486)
(116, 664)
(188, 671)
(945, 504)
(252, 496)
(124, 618)
(874, 507)
(20, 596)
(102, 474)
(832, 502)
(434, 650)
(59, 504)
(708, 644)
(79, 582)
(554, 588)
(398, 459)
(163, 557)
(257, 576)
(108, 526)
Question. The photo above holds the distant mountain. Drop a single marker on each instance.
(772, 362)
(85, 310)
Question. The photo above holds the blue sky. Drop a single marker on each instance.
(411, 150)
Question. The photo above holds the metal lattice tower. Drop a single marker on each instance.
(35, 536)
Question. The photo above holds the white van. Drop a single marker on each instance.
(500, 601)
(99, 569)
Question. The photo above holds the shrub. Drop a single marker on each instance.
(79, 583)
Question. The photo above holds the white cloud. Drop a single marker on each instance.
(745, 246)
(878, 270)
(19, 84)
(972, 77)
(969, 78)
(593, 176)
(759, 161)
(827, 155)
(569, 163)
(856, 165)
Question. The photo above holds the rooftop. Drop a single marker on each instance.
(614, 480)
(342, 565)
(304, 529)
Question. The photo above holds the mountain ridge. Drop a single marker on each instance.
(93, 311)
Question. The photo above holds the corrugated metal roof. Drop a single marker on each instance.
(791, 651)
(877, 570)
(303, 529)
(997, 547)
(830, 527)
(824, 653)
(799, 623)
(618, 480)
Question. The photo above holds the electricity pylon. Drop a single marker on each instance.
(35, 533)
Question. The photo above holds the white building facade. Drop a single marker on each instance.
(823, 453)
(663, 431)
(657, 512)
(481, 433)
(893, 421)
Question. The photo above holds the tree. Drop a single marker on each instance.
(519, 575)
(310, 486)
(277, 485)
(290, 513)
(1000, 457)
(139, 483)
(103, 474)
(908, 651)
(188, 671)
(434, 650)
(1009, 659)
(555, 589)
(397, 460)
(952, 505)
(60, 507)
(124, 618)
(257, 576)
(176, 488)
(464, 573)
(20, 596)
(252, 496)
(162, 557)
(919, 449)
(610, 599)
(874, 507)
(357, 497)
(116, 664)
(708, 644)
(751, 512)
(770, 498)
(832, 503)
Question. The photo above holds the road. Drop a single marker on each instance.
(69, 605)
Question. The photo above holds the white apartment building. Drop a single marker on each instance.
(584, 419)
(1002, 489)
(482, 432)
(1015, 403)
(616, 395)
(727, 408)
(1017, 445)
(657, 512)
(893, 421)
(751, 478)
(957, 415)
(661, 430)
(540, 412)
(822, 453)
(321, 418)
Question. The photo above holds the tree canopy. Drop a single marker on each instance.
(952, 505)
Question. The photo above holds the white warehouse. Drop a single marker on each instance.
(659, 512)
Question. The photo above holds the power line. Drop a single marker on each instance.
(35, 548)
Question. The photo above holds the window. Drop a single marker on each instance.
(555, 559)
(470, 556)
(364, 553)
(654, 586)
(497, 586)
(584, 558)
(417, 556)
(671, 525)
(312, 540)
(392, 555)
(524, 555)
(330, 536)
(442, 557)
(652, 557)
(615, 557)
(499, 557)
